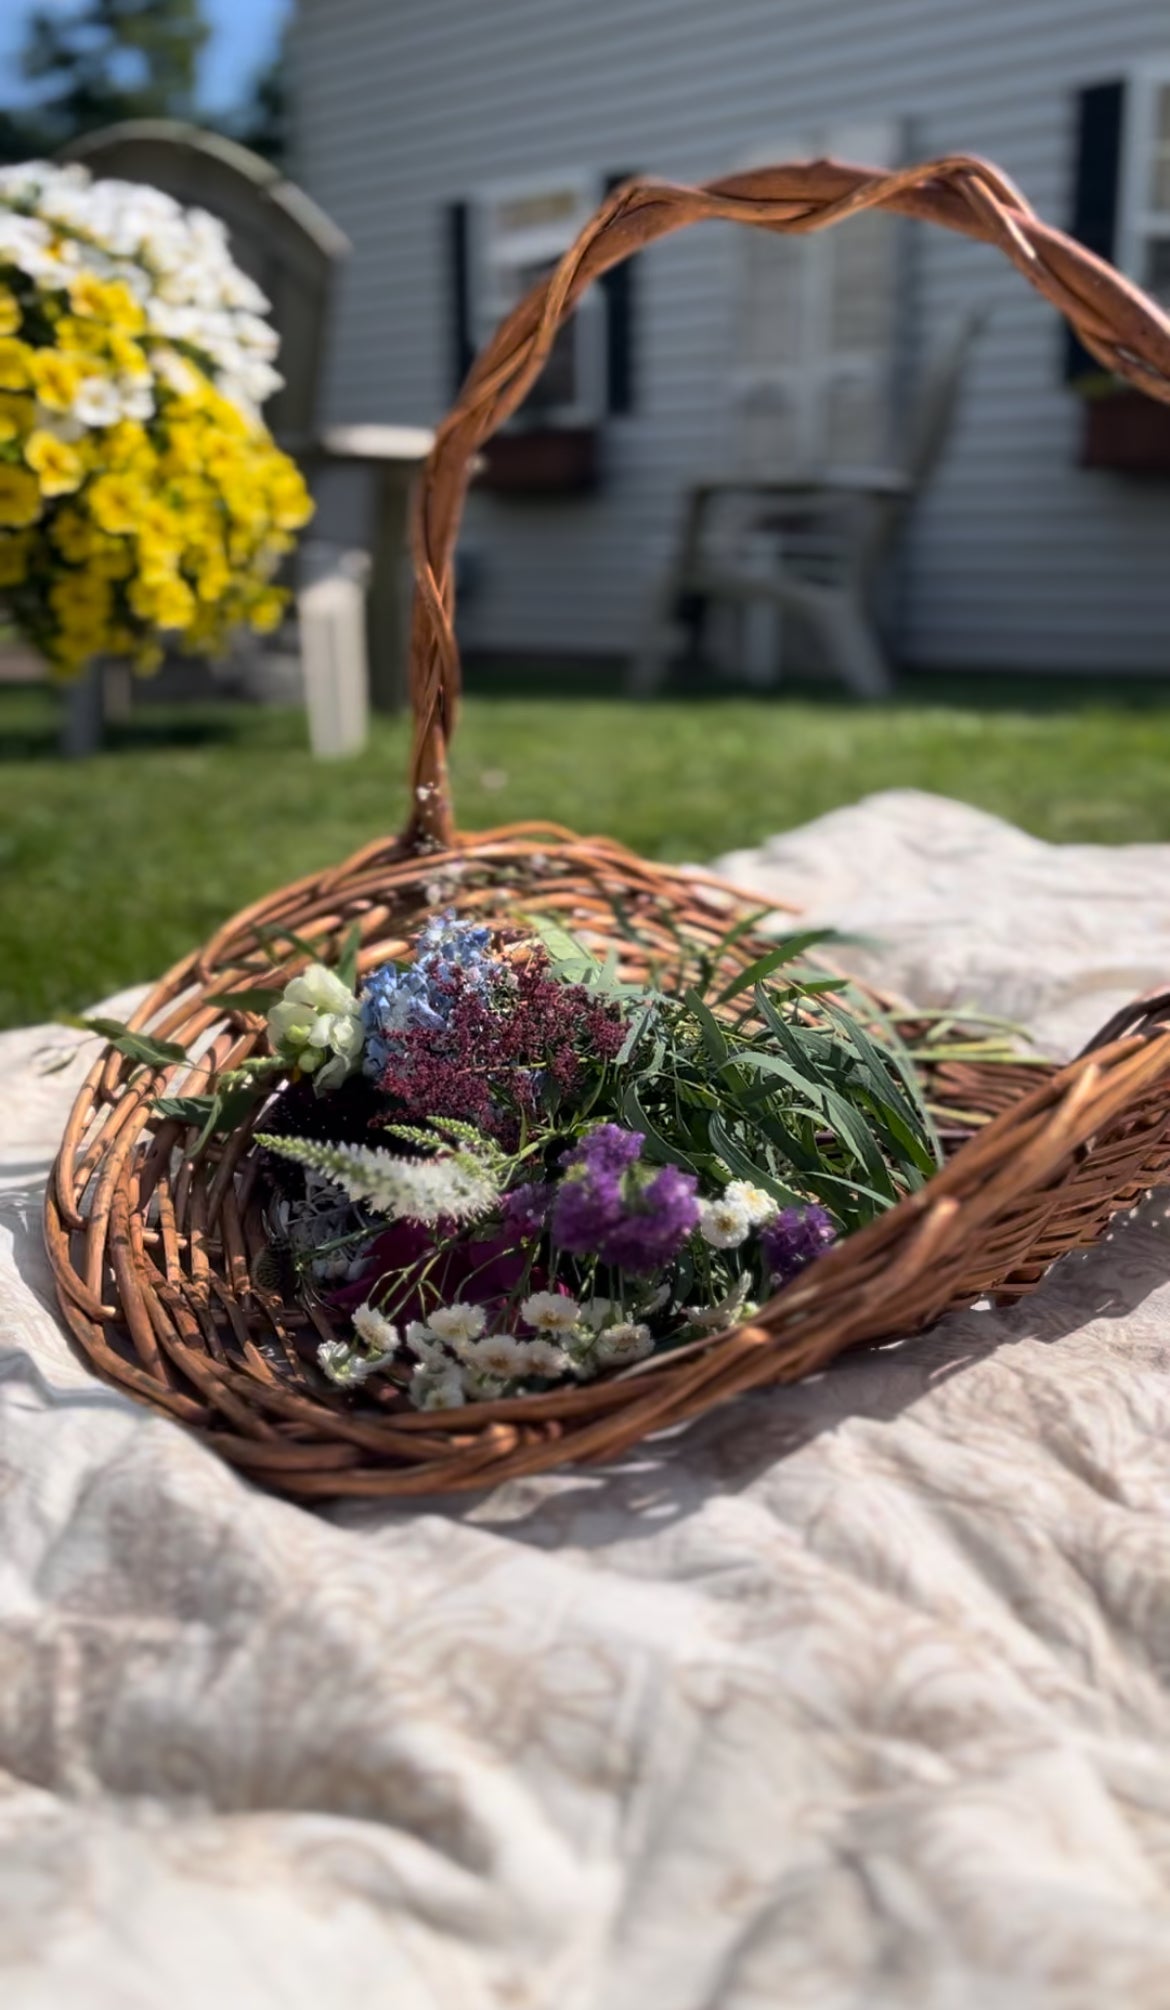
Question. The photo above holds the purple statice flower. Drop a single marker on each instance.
(793, 1238)
(606, 1151)
(659, 1216)
(525, 1209)
(610, 1206)
(394, 1002)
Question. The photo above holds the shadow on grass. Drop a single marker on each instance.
(30, 714)
(30, 726)
(693, 681)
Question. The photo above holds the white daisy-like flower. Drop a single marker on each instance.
(756, 1204)
(256, 335)
(499, 1354)
(345, 1368)
(65, 426)
(425, 1346)
(437, 1389)
(165, 247)
(480, 1388)
(550, 1312)
(618, 1346)
(723, 1224)
(726, 1312)
(135, 397)
(597, 1312)
(458, 1323)
(175, 371)
(544, 1357)
(374, 1330)
(239, 291)
(98, 402)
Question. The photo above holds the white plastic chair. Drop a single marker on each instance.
(829, 540)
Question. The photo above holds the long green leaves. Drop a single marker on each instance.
(791, 1091)
(136, 1046)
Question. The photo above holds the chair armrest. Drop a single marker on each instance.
(405, 445)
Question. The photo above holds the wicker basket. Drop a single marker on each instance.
(158, 1253)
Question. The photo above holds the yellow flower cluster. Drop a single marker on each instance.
(137, 502)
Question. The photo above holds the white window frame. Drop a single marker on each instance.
(816, 367)
(496, 253)
(1138, 221)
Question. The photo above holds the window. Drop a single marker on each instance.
(520, 231)
(1143, 250)
(815, 327)
(1121, 210)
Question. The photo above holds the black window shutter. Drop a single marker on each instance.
(459, 290)
(616, 284)
(1096, 178)
(618, 287)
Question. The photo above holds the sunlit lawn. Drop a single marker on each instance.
(111, 868)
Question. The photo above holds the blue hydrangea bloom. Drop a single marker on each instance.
(395, 1001)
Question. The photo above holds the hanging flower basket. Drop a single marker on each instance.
(573, 1248)
(142, 499)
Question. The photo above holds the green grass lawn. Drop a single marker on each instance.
(112, 868)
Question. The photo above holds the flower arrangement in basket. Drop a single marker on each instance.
(474, 1155)
(141, 495)
(504, 1168)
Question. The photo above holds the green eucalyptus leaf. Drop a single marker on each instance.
(569, 957)
(713, 1037)
(347, 961)
(636, 1116)
(637, 1027)
(136, 1046)
(745, 1167)
(268, 939)
(787, 949)
(219, 1112)
(186, 1109)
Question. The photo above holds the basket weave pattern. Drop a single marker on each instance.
(158, 1255)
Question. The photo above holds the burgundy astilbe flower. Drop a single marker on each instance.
(609, 1205)
(497, 1047)
(485, 1269)
(793, 1238)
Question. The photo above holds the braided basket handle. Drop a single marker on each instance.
(1117, 323)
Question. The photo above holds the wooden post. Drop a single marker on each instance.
(82, 713)
(386, 607)
(392, 454)
(332, 612)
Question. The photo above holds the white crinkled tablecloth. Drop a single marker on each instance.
(850, 1696)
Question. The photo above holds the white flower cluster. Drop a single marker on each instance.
(728, 1221)
(454, 1360)
(458, 1360)
(453, 1186)
(317, 1027)
(57, 223)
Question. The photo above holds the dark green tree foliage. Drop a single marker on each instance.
(263, 121)
(105, 61)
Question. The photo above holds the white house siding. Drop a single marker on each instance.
(1016, 559)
